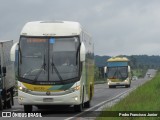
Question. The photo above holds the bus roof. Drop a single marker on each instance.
(116, 59)
(51, 28)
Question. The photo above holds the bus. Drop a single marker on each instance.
(118, 72)
(55, 65)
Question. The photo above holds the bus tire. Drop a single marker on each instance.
(4, 104)
(1, 104)
(27, 108)
(12, 96)
(78, 108)
(128, 86)
(111, 86)
(9, 103)
(88, 103)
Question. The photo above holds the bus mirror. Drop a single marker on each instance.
(105, 71)
(129, 69)
(82, 52)
(13, 52)
(4, 70)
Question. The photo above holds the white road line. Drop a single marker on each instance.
(100, 104)
(16, 110)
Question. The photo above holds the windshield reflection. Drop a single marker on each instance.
(118, 73)
(49, 59)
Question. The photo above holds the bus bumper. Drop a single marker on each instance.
(119, 83)
(67, 99)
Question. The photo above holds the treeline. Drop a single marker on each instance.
(136, 61)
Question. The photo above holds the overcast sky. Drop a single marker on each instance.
(118, 27)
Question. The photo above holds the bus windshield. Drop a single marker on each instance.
(118, 72)
(48, 59)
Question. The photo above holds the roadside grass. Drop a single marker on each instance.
(144, 98)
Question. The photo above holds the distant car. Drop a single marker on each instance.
(149, 74)
(134, 78)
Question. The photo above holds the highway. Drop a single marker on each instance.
(102, 95)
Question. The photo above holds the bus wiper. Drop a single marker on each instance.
(57, 72)
(43, 66)
(121, 76)
(115, 74)
(44, 62)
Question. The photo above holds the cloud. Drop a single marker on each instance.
(117, 27)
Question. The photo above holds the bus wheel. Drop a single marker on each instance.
(12, 94)
(4, 104)
(1, 104)
(27, 108)
(112, 86)
(78, 108)
(88, 103)
(127, 86)
(9, 103)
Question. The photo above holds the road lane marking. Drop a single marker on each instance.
(101, 103)
(16, 110)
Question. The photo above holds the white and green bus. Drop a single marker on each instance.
(118, 72)
(55, 65)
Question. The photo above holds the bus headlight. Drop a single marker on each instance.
(108, 81)
(74, 89)
(76, 98)
(23, 89)
(77, 87)
(20, 88)
(126, 81)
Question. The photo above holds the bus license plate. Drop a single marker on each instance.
(47, 99)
